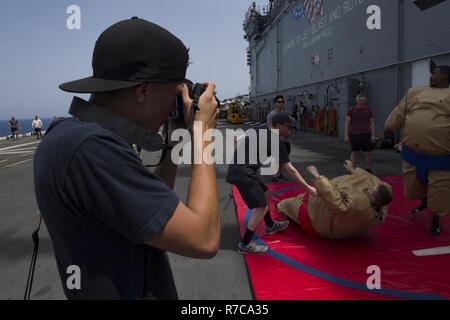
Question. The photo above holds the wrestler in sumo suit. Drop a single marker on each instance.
(424, 113)
(344, 207)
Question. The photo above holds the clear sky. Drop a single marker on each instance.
(38, 51)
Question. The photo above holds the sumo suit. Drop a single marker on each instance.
(342, 208)
(424, 113)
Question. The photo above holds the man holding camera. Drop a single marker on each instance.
(105, 212)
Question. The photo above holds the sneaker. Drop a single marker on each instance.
(277, 226)
(252, 247)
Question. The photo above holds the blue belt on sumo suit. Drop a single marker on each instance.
(425, 163)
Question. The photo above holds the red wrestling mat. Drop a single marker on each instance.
(299, 267)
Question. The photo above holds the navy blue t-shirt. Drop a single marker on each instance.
(100, 205)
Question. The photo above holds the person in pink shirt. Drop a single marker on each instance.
(360, 131)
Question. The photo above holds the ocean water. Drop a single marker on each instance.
(25, 126)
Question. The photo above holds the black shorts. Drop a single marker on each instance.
(361, 142)
(37, 130)
(253, 194)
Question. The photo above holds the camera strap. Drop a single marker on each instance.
(195, 103)
(166, 148)
(35, 237)
(197, 92)
(124, 128)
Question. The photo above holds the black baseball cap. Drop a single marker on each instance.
(283, 118)
(132, 52)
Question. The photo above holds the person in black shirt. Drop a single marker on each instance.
(15, 127)
(302, 115)
(294, 115)
(254, 192)
(106, 213)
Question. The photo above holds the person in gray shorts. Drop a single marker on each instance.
(255, 193)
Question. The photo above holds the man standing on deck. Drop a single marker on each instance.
(360, 131)
(37, 126)
(302, 116)
(279, 107)
(15, 127)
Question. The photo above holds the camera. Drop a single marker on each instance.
(195, 91)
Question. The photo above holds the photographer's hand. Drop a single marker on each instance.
(194, 229)
(208, 112)
(203, 198)
(187, 108)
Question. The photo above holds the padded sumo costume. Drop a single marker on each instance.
(341, 210)
(424, 113)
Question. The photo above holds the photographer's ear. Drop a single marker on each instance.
(142, 91)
